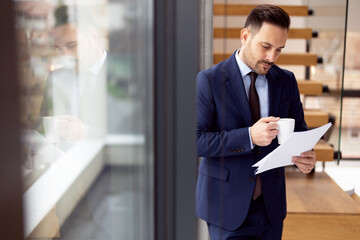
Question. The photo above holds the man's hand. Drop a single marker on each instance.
(264, 131)
(305, 162)
(71, 128)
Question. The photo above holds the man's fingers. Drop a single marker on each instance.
(310, 154)
(304, 160)
(273, 127)
(305, 168)
(269, 119)
(304, 164)
(66, 117)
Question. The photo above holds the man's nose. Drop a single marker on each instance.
(272, 56)
(65, 51)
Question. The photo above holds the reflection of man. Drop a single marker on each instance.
(72, 88)
(68, 34)
(236, 128)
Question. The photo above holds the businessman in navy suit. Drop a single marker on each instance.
(237, 115)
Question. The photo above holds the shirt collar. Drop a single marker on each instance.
(244, 69)
(96, 67)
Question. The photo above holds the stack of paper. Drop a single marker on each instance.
(297, 143)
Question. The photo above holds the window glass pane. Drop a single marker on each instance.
(350, 137)
(329, 22)
(86, 91)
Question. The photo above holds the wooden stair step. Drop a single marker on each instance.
(304, 59)
(244, 9)
(316, 118)
(356, 198)
(295, 33)
(310, 87)
(320, 208)
(324, 151)
(316, 193)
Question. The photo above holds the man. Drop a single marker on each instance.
(75, 99)
(75, 89)
(237, 127)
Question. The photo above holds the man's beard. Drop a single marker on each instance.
(260, 69)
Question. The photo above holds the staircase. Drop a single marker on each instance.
(314, 118)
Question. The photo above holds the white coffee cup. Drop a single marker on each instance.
(51, 128)
(286, 128)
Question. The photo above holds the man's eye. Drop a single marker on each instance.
(278, 50)
(71, 45)
(266, 47)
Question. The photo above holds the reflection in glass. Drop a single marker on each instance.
(86, 74)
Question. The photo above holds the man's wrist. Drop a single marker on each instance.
(251, 143)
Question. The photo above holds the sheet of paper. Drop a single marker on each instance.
(297, 143)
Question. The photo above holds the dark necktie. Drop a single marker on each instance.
(254, 99)
(255, 114)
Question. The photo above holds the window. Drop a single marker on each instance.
(86, 94)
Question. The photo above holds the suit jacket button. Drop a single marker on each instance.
(242, 149)
(252, 179)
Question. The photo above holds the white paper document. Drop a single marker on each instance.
(297, 143)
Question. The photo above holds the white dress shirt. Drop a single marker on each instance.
(261, 86)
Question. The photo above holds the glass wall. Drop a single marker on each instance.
(339, 71)
(329, 21)
(86, 78)
(350, 137)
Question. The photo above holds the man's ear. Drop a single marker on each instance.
(244, 36)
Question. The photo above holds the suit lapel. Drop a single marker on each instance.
(275, 89)
(235, 86)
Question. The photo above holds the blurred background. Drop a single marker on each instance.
(99, 139)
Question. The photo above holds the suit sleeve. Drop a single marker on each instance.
(211, 142)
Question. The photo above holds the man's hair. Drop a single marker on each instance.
(66, 14)
(269, 14)
(62, 16)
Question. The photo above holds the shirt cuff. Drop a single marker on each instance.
(251, 144)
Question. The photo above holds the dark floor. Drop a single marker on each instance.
(112, 208)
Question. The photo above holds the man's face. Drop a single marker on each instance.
(75, 45)
(260, 50)
(65, 38)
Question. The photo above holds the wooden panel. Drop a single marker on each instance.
(316, 118)
(316, 194)
(324, 151)
(302, 33)
(321, 227)
(227, 32)
(218, 57)
(305, 59)
(318, 209)
(243, 9)
(310, 88)
(356, 198)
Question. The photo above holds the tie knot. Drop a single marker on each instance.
(253, 76)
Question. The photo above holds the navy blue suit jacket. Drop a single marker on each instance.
(226, 179)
